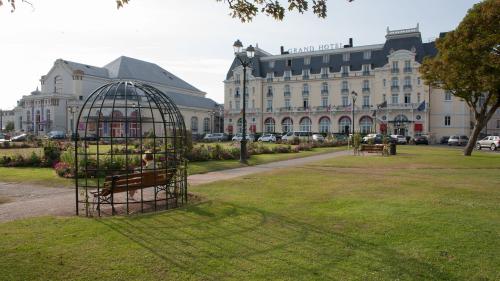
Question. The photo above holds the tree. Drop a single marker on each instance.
(246, 10)
(9, 127)
(468, 64)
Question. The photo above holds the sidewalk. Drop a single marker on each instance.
(33, 201)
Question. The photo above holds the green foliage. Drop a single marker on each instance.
(9, 127)
(51, 153)
(356, 141)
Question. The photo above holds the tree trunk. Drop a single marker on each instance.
(478, 126)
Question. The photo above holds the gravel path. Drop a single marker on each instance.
(34, 200)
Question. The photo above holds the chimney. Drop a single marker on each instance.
(350, 44)
(282, 50)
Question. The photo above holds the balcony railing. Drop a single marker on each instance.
(366, 73)
(345, 74)
(305, 77)
(395, 70)
(324, 75)
(286, 109)
(407, 87)
(395, 88)
(269, 109)
(366, 90)
(302, 108)
(324, 92)
(407, 70)
(321, 108)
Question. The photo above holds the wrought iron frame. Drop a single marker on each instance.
(158, 124)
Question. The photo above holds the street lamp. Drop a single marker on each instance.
(245, 62)
(73, 109)
(354, 96)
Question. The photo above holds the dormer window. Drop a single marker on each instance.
(367, 55)
(366, 69)
(271, 64)
(270, 76)
(287, 75)
(305, 74)
(326, 59)
(346, 56)
(307, 60)
(345, 70)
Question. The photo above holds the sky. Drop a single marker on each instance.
(190, 38)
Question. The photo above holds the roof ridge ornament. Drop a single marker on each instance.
(400, 33)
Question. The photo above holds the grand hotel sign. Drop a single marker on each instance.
(322, 47)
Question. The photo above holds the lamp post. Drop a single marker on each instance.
(221, 119)
(354, 96)
(245, 61)
(72, 109)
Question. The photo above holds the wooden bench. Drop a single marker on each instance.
(374, 148)
(159, 179)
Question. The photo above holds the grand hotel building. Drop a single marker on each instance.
(313, 90)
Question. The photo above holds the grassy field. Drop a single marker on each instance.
(25, 152)
(48, 177)
(427, 214)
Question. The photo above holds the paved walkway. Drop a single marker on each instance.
(32, 201)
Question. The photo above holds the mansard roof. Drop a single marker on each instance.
(406, 39)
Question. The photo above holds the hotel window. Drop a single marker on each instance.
(237, 78)
(365, 124)
(324, 72)
(395, 67)
(366, 69)
(324, 125)
(366, 85)
(206, 125)
(345, 86)
(194, 124)
(326, 58)
(269, 77)
(407, 66)
(305, 124)
(447, 96)
(345, 101)
(287, 75)
(289, 63)
(305, 102)
(287, 125)
(344, 70)
(269, 92)
(384, 82)
(346, 56)
(230, 105)
(447, 120)
(237, 93)
(324, 88)
(287, 90)
(367, 55)
(407, 98)
(324, 101)
(269, 124)
(305, 89)
(58, 84)
(395, 99)
(269, 107)
(271, 64)
(418, 97)
(253, 103)
(287, 103)
(305, 74)
(307, 60)
(366, 101)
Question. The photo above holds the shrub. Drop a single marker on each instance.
(304, 147)
(51, 153)
(34, 160)
(64, 169)
(6, 144)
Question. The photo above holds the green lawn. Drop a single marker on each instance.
(48, 177)
(427, 214)
(25, 152)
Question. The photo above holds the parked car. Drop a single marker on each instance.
(88, 137)
(56, 135)
(376, 138)
(215, 137)
(302, 135)
(458, 140)
(239, 137)
(491, 142)
(421, 140)
(400, 139)
(318, 137)
(267, 138)
(3, 138)
(21, 137)
(444, 140)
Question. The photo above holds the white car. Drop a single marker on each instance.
(399, 139)
(239, 137)
(318, 137)
(267, 138)
(491, 142)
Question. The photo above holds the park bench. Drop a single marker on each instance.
(159, 179)
(374, 148)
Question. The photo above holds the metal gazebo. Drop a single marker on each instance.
(130, 144)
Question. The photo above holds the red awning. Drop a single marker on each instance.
(419, 127)
(383, 128)
(253, 128)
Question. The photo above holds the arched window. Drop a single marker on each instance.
(206, 125)
(365, 124)
(401, 118)
(269, 125)
(324, 125)
(194, 124)
(345, 125)
(58, 84)
(287, 125)
(305, 124)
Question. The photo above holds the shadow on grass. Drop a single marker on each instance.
(216, 240)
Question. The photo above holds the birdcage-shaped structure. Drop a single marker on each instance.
(130, 145)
